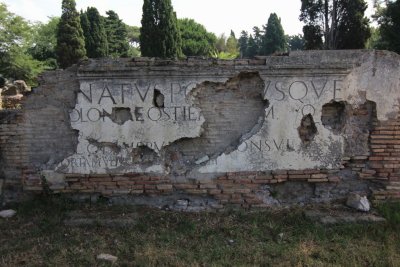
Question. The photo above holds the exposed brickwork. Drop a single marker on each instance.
(11, 149)
(384, 161)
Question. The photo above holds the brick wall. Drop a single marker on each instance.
(384, 161)
(11, 149)
(40, 136)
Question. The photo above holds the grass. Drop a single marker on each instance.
(37, 236)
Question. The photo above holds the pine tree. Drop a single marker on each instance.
(95, 35)
(274, 38)
(196, 40)
(70, 41)
(159, 35)
(117, 35)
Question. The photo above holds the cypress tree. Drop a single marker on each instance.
(117, 35)
(70, 41)
(159, 35)
(95, 34)
(274, 38)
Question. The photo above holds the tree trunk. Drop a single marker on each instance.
(334, 29)
(327, 30)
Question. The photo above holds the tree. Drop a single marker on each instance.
(133, 35)
(258, 37)
(196, 40)
(274, 38)
(353, 30)
(243, 40)
(221, 43)
(337, 24)
(159, 35)
(232, 44)
(117, 35)
(252, 47)
(313, 37)
(70, 41)
(227, 48)
(295, 42)
(389, 29)
(44, 42)
(95, 34)
(15, 39)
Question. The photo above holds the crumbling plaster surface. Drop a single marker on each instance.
(376, 78)
(277, 144)
(293, 87)
(148, 126)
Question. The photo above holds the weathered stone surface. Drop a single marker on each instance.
(107, 257)
(7, 213)
(358, 202)
(54, 180)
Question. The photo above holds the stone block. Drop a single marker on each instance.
(54, 179)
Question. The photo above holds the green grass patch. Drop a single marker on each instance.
(391, 211)
(37, 236)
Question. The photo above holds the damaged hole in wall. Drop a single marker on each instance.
(121, 115)
(359, 123)
(333, 116)
(158, 99)
(307, 129)
(233, 110)
(143, 155)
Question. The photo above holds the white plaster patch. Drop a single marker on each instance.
(376, 79)
(116, 116)
(277, 144)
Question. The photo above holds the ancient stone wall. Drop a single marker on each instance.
(306, 128)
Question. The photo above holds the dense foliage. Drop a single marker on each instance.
(159, 35)
(70, 41)
(15, 40)
(263, 42)
(389, 21)
(295, 42)
(117, 35)
(196, 40)
(335, 24)
(96, 43)
(44, 42)
(27, 48)
(274, 40)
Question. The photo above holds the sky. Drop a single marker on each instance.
(218, 16)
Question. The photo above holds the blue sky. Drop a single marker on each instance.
(218, 16)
